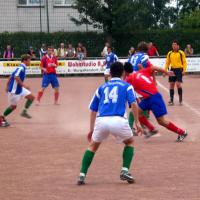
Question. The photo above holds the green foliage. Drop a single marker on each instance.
(94, 42)
(188, 6)
(22, 41)
(124, 15)
(191, 20)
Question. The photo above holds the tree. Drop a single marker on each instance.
(190, 21)
(119, 16)
(188, 6)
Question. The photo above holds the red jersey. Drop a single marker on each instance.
(152, 51)
(143, 82)
(47, 62)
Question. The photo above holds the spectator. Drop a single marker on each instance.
(8, 53)
(104, 53)
(188, 50)
(152, 50)
(61, 51)
(32, 53)
(55, 51)
(80, 54)
(70, 53)
(131, 51)
(82, 49)
(43, 51)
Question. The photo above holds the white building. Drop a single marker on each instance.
(29, 16)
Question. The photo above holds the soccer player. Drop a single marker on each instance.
(110, 58)
(16, 90)
(152, 100)
(176, 62)
(139, 60)
(109, 102)
(49, 64)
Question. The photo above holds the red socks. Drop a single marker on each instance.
(56, 95)
(39, 96)
(144, 121)
(175, 129)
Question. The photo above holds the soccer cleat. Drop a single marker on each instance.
(170, 103)
(3, 122)
(81, 179)
(126, 176)
(151, 133)
(25, 114)
(182, 137)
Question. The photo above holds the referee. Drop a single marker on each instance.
(176, 62)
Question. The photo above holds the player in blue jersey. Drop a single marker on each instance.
(109, 102)
(139, 60)
(16, 89)
(110, 59)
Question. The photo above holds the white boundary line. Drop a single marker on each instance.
(176, 97)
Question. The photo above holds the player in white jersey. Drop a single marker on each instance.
(108, 110)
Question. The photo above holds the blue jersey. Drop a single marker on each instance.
(110, 59)
(139, 58)
(13, 86)
(110, 99)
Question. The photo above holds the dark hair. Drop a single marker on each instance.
(175, 41)
(116, 69)
(50, 47)
(142, 46)
(128, 67)
(109, 47)
(25, 57)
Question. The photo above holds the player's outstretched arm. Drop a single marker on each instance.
(93, 116)
(135, 111)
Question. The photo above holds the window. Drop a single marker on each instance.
(63, 2)
(31, 2)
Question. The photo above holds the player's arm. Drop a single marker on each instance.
(167, 64)
(94, 105)
(184, 63)
(116, 58)
(161, 70)
(42, 64)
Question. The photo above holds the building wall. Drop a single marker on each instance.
(14, 18)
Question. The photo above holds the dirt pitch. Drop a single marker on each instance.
(40, 158)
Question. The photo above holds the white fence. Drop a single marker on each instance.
(92, 66)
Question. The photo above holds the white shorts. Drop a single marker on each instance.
(117, 126)
(107, 72)
(13, 99)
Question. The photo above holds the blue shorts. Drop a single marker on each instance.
(156, 104)
(50, 79)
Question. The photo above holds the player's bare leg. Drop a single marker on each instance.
(39, 96)
(87, 160)
(56, 96)
(128, 154)
(182, 134)
(30, 98)
(171, 92)
(145, 122)
(180, 92)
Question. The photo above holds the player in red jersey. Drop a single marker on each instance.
(48, 65)
(144, 85)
